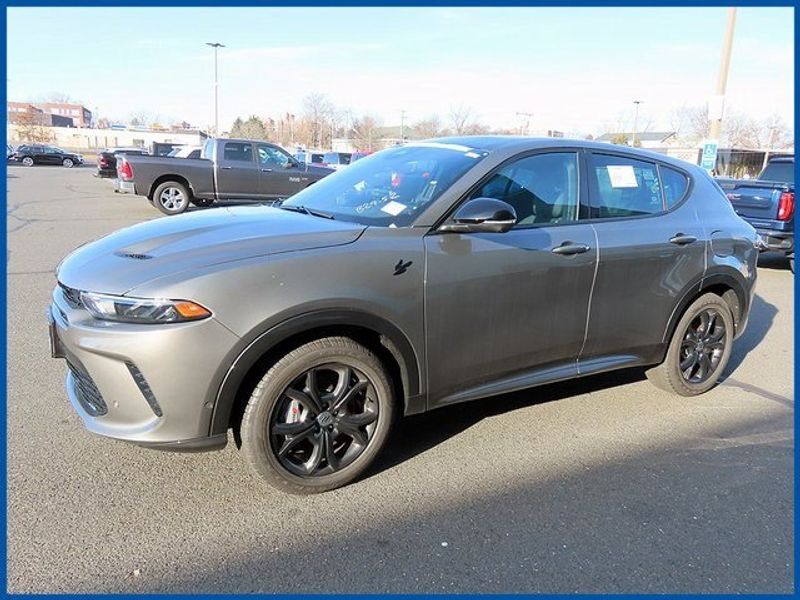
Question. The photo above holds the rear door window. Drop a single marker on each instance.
(238, 152)
(623, 187)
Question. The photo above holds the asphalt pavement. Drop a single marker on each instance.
(601, 485)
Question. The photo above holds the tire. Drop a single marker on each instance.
(305, 467)
(791, 263)
(690, 343)
(171, 198)
(67, 163)
(27, 161)
(202, 202)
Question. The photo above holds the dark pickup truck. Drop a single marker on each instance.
(228, 169)
(767, 203)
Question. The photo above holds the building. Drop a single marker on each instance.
(646, 139)
(24, 113)
(80, 115)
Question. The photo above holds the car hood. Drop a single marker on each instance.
(133, 256)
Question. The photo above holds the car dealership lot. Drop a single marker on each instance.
(599, 485)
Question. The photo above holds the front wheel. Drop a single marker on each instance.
(699, 349)
(67, 163)
(171, 198)
(318, 417)
(27, 161)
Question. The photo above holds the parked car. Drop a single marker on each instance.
(336, 160)
(767, 203)
(229, 169)
(309, 327)
(107, 159)
(9, 151)
(40, 154)
(310, 158)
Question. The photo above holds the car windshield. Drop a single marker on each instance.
(392, 187)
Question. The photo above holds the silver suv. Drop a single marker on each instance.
(421, 276)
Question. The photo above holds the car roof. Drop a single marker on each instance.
(781, 159)
(512, 144)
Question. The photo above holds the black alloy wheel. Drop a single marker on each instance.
(324, 420)
(703, 346)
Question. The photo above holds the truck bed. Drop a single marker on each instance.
(148, 169)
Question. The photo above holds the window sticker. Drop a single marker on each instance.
(622, 176)
(393, 208)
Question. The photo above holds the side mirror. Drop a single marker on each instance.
(482, 214)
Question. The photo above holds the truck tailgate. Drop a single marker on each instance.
(753, 199)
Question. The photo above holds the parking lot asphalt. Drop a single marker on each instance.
(598, 485)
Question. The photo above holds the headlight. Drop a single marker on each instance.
(142, 310)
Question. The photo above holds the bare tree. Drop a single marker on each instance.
(58, 97)
(461, 118)
(740, 131)
(690, 123)
(318, 113)
(775, 133)
(365, 133)
(30, 128)
(428, 128)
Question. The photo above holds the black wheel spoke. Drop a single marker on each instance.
(304, 399)
(352, 430)
(704, 366)
(292, 441)
(312, 389)
(348, 396)
(718, 335)
(688, 362)
(328, 452)
(703, 328)
(712, 318)
(316, 455)
(291, 429)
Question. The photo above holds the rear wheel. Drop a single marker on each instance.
(171, 198)
(699, 349)
(318, 417)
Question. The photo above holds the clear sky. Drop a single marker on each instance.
(576, 69)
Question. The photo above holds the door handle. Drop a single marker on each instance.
(226, 168)
(681, 239)
(569, 248)
(266, 170)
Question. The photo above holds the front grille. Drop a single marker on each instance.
(72, 296)
(88, 394)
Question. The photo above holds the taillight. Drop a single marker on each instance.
(125, 170)
(103, 161)
(786, 206)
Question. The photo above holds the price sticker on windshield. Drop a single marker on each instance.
(393, 208)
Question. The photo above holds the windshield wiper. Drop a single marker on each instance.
(307, 211)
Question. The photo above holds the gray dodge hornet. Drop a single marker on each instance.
(421, 276)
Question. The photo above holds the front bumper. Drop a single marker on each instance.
(124, 187)
(145, 384)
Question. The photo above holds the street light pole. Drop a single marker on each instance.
(635, 121)
(715, 127)
(216, 46)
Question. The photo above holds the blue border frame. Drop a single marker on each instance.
(353, 3)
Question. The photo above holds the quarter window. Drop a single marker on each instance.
(543, 188)
(675, 184)
(237, 151)
(623, 187)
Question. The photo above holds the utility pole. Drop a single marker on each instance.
(402, 126)
(715, 116)
(216, 46)
(528, 116)
(635, 121)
